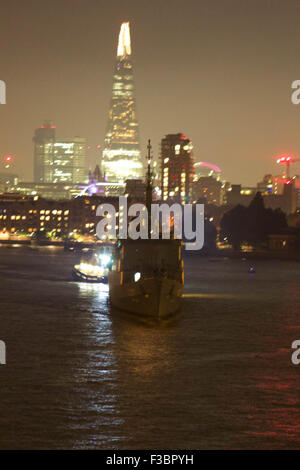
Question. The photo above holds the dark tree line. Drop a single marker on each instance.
(252, 224)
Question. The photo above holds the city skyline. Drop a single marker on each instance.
(149, 228)
(230, 97)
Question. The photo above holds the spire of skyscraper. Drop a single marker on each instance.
(124, 46)
(121, 158)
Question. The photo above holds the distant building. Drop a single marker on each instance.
(95, 176)
(209, 189)
(8, 177)
(46, 190)
(104, 188)
(271, 184)
(238, 195)
(225, 188)
(97, 186)
(7, 180)
(25, 215)
(58, 161)
(285, 201)
(44, 139)
(206, 169)
(290, 196)
(69, 161)
(266, 185)
(285, 241)
(136, 190)
(121, 158)
(176, 168)
(296, 180)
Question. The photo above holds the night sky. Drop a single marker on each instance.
(219, 71)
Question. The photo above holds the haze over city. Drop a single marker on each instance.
(149, 228)
(220, 72)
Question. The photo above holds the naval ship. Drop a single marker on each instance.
(147, 275)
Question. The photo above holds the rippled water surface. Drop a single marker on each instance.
(79, 375)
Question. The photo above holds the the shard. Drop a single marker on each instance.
(121, 158)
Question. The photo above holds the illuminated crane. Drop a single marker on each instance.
(287, 160)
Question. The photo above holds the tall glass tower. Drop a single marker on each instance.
(58, 161)
(121, 158)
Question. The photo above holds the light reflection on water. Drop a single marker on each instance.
(81, 375)
(100, 370)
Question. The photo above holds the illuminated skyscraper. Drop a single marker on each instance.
(121, 158)
(177, 168)
(58, 161)
(43, 139)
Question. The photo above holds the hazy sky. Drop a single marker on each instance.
(219, 71)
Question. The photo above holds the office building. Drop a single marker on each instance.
(176, 168)
(58, 160)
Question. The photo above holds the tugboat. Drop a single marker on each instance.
(94, 270)
(86, 272)
(147, 276)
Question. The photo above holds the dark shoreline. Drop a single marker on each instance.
(214, 255)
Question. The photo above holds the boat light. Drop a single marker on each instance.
(105, 259)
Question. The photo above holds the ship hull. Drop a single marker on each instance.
(81, 277)
(151, 298)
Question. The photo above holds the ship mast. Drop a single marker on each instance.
(149, 187)
(149, 180)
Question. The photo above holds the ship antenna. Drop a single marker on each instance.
(149, 179)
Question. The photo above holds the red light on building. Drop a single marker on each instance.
(285, 159)
(8, 158)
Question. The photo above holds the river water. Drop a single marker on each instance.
(218, 376)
